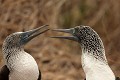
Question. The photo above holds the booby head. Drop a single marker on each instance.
(19, 39)
(86, 36)
(80, 34)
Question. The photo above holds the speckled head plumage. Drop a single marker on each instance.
(16, 41)
(89, 40)
(13, 40)
(21, 38)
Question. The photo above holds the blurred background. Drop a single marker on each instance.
(61, 59)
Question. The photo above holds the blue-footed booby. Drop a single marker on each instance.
(20, 65)
(94, 62)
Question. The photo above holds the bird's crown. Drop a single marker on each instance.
(14, 39)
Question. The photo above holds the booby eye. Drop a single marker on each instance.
(74, 31)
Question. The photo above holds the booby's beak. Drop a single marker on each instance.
(28, 35)
(70, 31)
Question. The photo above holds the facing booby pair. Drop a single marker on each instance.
(94, 62)
(20, 65)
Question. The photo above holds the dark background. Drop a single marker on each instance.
(60, 59)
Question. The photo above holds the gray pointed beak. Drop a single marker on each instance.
(28, 35)
(70, 31)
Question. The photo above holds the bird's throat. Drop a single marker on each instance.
(94, 68)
